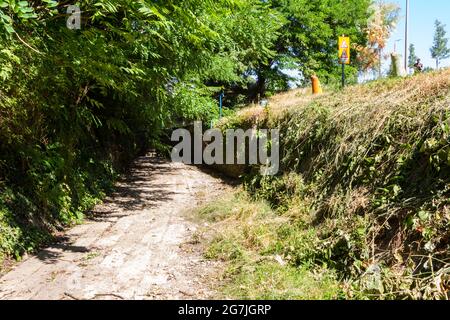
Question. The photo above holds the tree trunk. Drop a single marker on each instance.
(261, 87)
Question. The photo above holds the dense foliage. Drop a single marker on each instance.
(76, 105)
(310, 39)
(306, 43)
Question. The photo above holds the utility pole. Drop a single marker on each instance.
(406, 36)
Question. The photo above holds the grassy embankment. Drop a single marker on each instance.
(361, 208)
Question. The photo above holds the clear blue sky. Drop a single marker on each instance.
(423, 13)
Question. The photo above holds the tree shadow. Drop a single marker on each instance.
(54, 252)
(135, 190)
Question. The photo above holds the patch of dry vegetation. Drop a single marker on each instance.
(249, 236)
(372, 164)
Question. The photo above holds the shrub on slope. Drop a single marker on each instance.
(373, 164)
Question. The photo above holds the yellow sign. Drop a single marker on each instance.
(344, 50)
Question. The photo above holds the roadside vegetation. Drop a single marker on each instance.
(249, 236)
(360, 209)
(77, 105)
(361, 206)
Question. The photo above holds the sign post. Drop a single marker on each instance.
(344, 55)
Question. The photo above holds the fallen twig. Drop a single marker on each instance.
(71, 296)
(108, 294)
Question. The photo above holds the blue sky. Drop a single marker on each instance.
(423, 13)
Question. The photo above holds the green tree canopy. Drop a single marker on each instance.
(308, 41)
(412, 59)
(440, 50)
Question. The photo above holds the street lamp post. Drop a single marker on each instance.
(406, 35)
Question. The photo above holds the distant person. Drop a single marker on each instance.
(418, 66)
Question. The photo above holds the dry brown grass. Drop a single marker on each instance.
(375, 101)
(378, 155)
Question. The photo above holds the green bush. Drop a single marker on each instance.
(77, 106)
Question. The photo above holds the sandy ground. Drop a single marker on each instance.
(138, 245)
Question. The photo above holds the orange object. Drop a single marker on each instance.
(316, 87)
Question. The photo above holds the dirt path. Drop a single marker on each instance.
(137, 246)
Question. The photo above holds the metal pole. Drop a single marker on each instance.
(406, 35)
(343, 74)
(220, 105)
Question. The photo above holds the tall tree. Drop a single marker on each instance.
(308, 40)
(412, 59)
(440, 49)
